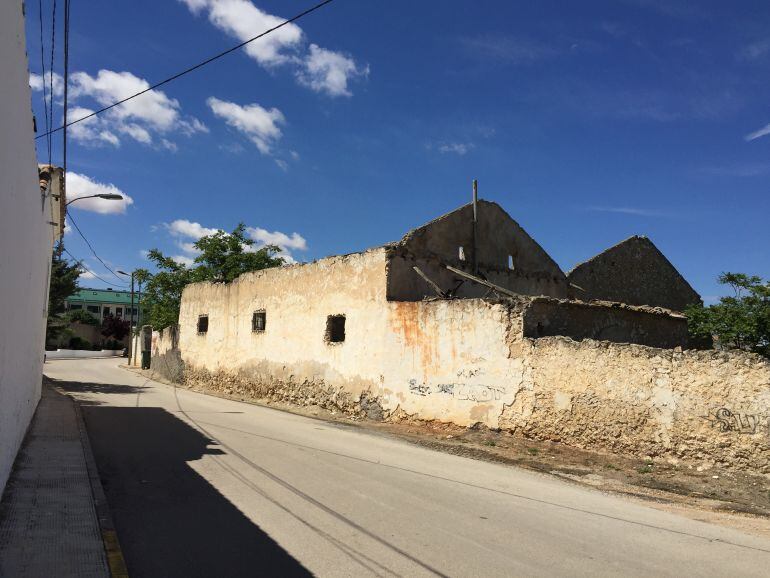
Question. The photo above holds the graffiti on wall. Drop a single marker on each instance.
(418, 388)
(740, 423)
(461, 391)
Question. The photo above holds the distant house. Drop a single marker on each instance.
(103, 302)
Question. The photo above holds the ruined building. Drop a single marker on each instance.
(471, 322)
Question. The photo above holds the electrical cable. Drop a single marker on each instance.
(91, 247)
(66, 81)
(194, 67)
(48, 123)
(50, 72)
(87, 270)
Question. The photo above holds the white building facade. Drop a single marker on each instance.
(30, 222)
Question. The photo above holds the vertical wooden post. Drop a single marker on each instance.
(475, 225)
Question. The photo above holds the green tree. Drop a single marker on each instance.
(223, 257)
(739, 321)
(81, 316)
(163, 291)
(115, 327)
(64, 282)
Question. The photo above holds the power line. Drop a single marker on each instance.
(66, 81)
(87, 270)
(91, 247)
(50, 70)
(194, 67)
(48, 124)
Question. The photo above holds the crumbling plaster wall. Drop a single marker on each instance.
(166, 356)
(438, 359)
(290, 360)
(498, 237)
(467, 361)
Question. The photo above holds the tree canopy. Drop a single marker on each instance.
(223, 257)
(739, 321)
(64, 282)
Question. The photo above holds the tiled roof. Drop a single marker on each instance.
(103, 296)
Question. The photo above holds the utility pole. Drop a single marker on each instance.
(131, 325)
(138, 315)
(475, 225)
(130, 318)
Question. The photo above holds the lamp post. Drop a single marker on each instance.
(106, 196)
(131, 317)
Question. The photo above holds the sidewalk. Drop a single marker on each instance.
(49, 525)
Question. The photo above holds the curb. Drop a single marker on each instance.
(112, 550)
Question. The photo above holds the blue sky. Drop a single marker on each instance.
(588, 122)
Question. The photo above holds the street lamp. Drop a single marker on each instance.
(106, 196)
(131, 316)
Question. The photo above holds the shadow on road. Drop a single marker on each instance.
(170, 520)
(87, 387)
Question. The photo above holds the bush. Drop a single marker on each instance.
(115, 327)
(112, 344)
(79, 343)
(82, 316)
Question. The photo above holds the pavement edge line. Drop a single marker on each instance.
(112, 549)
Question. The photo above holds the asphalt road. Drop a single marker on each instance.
(201, 486)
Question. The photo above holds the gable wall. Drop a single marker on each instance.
(633, 272)
(498, 236)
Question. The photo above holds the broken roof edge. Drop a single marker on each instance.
(289, 266)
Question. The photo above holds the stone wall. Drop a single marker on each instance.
(634, 272)
(166, 356)
(605, 322)
(704, 406)
(470, 361)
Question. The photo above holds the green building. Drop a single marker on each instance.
(103, 302)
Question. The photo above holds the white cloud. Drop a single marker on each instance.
(185, 228)
(184, 260)
(141, 119)
(320, 69)
(86, 275)
(153, 108)
(187, 232)
(282, 240)
(511, 49)
(328, 71)
(282, 164)
(36, 82)
(754, 51)
(92, 131)
(458, 148)
(628, 211)
(259, 124)
(764, 131)
(242, 20)
(82, 186)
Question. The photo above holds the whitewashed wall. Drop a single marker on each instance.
(25, 244)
